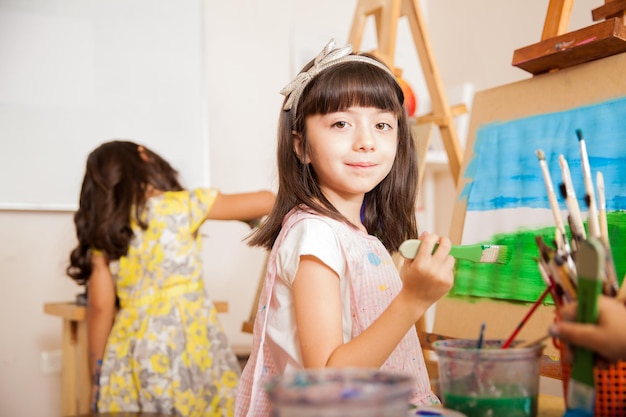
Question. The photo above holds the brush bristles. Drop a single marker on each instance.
(495, 254)
(540, 154)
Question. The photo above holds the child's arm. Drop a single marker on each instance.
(318, 309)
(100, 313)
(243, 206)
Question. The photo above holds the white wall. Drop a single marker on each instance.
(73, 77)
(252, 49)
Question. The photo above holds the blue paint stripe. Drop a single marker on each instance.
(505, 172)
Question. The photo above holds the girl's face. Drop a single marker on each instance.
(351, 151)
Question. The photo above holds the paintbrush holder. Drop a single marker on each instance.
(611, 390)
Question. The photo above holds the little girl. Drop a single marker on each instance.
(163, 350)
(332, 295)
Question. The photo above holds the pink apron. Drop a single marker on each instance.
(374, 283)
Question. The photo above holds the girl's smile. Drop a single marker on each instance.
(351, 151)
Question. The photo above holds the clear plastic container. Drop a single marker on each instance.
(490, 381)
(340, 393)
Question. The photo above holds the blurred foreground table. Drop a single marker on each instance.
(551, 406)
(75, 377)
(127, 414)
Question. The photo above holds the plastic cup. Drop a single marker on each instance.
(490, 381)
(340, 392)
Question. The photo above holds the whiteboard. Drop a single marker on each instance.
(76, 74)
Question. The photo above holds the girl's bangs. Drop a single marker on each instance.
(352, 84)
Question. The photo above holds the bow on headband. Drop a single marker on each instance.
(325, 59)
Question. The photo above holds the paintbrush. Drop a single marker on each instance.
(563, 247)
(494, 254)
(555, 291)
(559, 272)
(481, 337)
(594, 227)
(611, 286)
(554, 205)
(569, 195)
(604, 227)
(530, 312)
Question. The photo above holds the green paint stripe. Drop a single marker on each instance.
(519, 280)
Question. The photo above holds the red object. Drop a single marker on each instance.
(410, 102)
(526, 317)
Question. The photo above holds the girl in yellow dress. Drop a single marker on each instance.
(155, 342)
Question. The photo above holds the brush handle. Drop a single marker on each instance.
(570, 199)
(530, 312)
(590, 263)
(409, 248)
(594, 226)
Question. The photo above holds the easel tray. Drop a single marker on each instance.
(587, 44)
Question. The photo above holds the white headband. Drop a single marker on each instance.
(325, 59)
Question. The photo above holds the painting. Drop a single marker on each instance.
(502, 198)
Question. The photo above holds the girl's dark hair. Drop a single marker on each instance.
(114, 189)
(388, 210)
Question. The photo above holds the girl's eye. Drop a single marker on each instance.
(340, 124)
(383, 126)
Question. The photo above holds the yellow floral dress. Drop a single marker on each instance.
(167, 351)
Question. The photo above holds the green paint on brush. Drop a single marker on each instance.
(519, 280)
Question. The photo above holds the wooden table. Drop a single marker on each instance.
(75, 376)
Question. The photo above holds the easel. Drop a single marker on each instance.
(386, 14)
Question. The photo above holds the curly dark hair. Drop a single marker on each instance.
(117, 176)
(389, 209)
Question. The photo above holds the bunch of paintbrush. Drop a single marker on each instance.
(580, 268)
(561, 261)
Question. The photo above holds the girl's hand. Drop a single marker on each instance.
(429, 276)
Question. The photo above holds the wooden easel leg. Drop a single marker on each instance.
(387, 29)
(364, 9)
(557, 18)
(386, 14)
(248, 326)
(441, 109)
